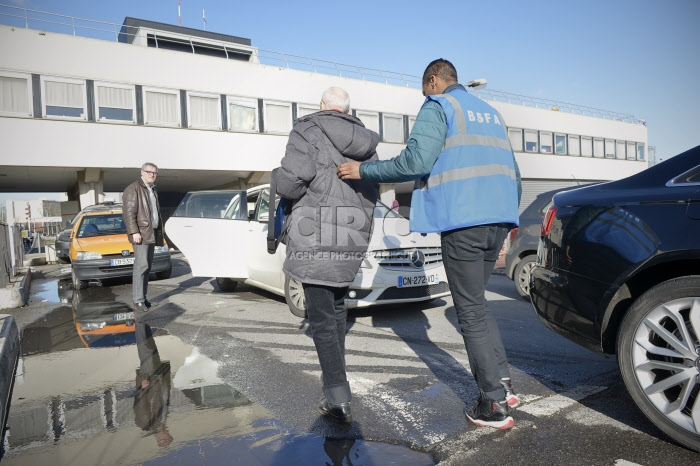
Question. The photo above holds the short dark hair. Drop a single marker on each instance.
(441, 68)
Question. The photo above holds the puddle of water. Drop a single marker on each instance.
(47, 291)
(159, 401)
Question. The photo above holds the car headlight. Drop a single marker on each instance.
(87, 326)
(365, 264)
(160, 249)
(85, 255)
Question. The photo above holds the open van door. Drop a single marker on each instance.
(211, 228)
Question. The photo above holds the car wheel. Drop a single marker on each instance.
(226, 284)
(521, 275)
(165, 274)
(294, 294)
(61, 260)
(658, 352)
(77, 284)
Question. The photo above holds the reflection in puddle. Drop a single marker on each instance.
(159, 401)
(46, 291)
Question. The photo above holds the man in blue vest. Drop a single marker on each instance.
(458, 152)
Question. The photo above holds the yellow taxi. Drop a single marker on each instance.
(100, 248)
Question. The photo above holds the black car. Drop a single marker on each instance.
(522, 249)
(618, 271)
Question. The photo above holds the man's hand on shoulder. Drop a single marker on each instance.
(349, 171)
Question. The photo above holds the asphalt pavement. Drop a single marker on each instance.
(243, 384)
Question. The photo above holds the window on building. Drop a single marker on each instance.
(598, 147)
(393, 128)
(306, 109)
(242, 114)
(640, 151)
(609, 149)
(411, 122)
(369, 119)
(115, 102)
(545, 142)
(586, 146)
(278, 117)
(161, 107)
(574, 144)
(203, 111)
(531, 144)
(631, 151)
(64, 98)
(620, 149)
(560, 144)
(15, 94)
(516, 139)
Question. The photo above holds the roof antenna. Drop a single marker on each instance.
(204, 17)
(179, 18)
(577, 181)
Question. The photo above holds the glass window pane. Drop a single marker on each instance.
(516, 139)
(14, 97)
(609, 149)
(640, 151)
(64, 99)
(531, 144)
(560, 143)
(204, 112)
(545, 142)
(115, 103)
(620, 149)
(161, 108)
(393, 128)
(411, 122)
(598, 148)
(370, 120)
(631, 151)
(278, 117)
(303, 110)
(574, 145)
(242, 118)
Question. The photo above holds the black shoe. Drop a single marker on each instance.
(511, 396)
(147, 303)
(141, 307)
(490, 413)
(340, 413)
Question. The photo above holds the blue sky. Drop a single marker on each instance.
(640, 57)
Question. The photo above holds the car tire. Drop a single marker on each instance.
(294, 294)
(61, 260)
(77, 284)
(657, 340)
(521, 275)
(165, 274)
(226, 284)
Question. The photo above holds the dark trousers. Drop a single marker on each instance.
(326, 311)
(143, 260)
(469, 255)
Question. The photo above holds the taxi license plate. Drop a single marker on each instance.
(125, 261)
(123, 316)
(418, 280)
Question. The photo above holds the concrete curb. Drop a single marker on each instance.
(17, 294)
(9, 356)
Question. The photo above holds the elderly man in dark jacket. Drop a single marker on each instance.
(144, 225)
(328, 229)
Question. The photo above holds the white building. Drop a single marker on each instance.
(80, 114)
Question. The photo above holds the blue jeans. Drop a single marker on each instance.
(469, 256)
(143, 260)
(326, 311)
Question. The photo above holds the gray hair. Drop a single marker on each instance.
(149, 164)
(336, 98)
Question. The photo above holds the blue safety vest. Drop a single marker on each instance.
(473, 181)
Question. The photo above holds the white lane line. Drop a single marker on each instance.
(550, 405)
(625, 463)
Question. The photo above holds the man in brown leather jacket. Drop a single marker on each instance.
(144, 226)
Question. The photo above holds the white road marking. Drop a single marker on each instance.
(550, 405)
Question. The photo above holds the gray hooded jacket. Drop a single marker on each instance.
(330, 225)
